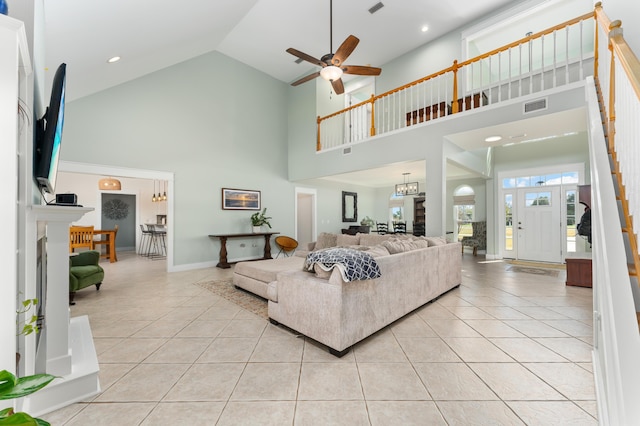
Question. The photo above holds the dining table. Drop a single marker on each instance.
(110, 240)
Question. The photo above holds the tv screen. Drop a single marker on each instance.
(49, 135)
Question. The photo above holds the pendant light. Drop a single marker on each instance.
(406, 188)
(164, 195)
(153, 198)
(109, 184)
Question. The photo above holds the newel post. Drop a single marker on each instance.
(454, 102)
(597, 9)
(373, 116)
(614, 29)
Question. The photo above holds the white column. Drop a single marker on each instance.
(14, 66)
(435, 191)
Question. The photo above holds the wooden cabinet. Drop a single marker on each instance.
(579, 272)
(584, 194)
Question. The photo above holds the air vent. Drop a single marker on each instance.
(346, 151)
(376, 7)
(298, 61)
(536, 105)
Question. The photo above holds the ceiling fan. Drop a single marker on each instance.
(333, 63)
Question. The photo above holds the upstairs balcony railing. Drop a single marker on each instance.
(551, 58)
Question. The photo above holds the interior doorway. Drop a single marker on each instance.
(150, 175)
(120, 210)
(305, 211)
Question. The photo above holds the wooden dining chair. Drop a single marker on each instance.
(107, 243)
(80, 237)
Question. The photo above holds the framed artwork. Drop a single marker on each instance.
(240, 199)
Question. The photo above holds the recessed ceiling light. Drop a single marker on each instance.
(114, 59)
(424, 28)
(493, 138)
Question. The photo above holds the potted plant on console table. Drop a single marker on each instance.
(258, 219)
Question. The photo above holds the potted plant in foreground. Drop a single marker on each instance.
(258, 219)
(12, 387)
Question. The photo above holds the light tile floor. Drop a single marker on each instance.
(504, 348)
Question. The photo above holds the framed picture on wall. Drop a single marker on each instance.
(240, 199)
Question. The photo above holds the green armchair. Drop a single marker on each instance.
(84, 271)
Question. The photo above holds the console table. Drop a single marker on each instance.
(224, 264)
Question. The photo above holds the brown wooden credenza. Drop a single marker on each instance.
(224, 263)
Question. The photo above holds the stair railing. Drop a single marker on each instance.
(618, 79)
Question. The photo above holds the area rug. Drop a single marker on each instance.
(535, 271)
(244, 299)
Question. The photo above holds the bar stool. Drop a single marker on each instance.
(145, 239)
(158, 240)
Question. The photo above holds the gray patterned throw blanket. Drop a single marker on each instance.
(353, 264)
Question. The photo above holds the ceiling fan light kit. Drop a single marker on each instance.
(331, 73)
(333, 63)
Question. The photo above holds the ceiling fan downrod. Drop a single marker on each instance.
(331, 26)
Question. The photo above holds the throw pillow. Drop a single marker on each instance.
(400, 246)
(377, 251)
(436, 241)
(343, 240)
(326, 240)
(372, 239)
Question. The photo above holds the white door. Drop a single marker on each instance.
(305, 207)
(538, 224)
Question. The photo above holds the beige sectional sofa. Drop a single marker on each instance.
(338, 314)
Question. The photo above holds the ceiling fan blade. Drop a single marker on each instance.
(360, 70)
(305, 79)
(345, 49)
(338, 87)
(306, 57)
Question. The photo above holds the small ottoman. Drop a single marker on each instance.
(255, 276)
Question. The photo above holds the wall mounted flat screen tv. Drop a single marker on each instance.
(49, 135)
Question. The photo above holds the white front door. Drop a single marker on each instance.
(538, 224)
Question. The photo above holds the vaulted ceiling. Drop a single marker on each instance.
(152, 34)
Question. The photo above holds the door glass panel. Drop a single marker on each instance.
(508, 222)
(571, 200)
(537, 199)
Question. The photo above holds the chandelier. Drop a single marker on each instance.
(407, 188)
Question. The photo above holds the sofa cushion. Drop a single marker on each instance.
(326, 240)
(344, 240)
(267, 270)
